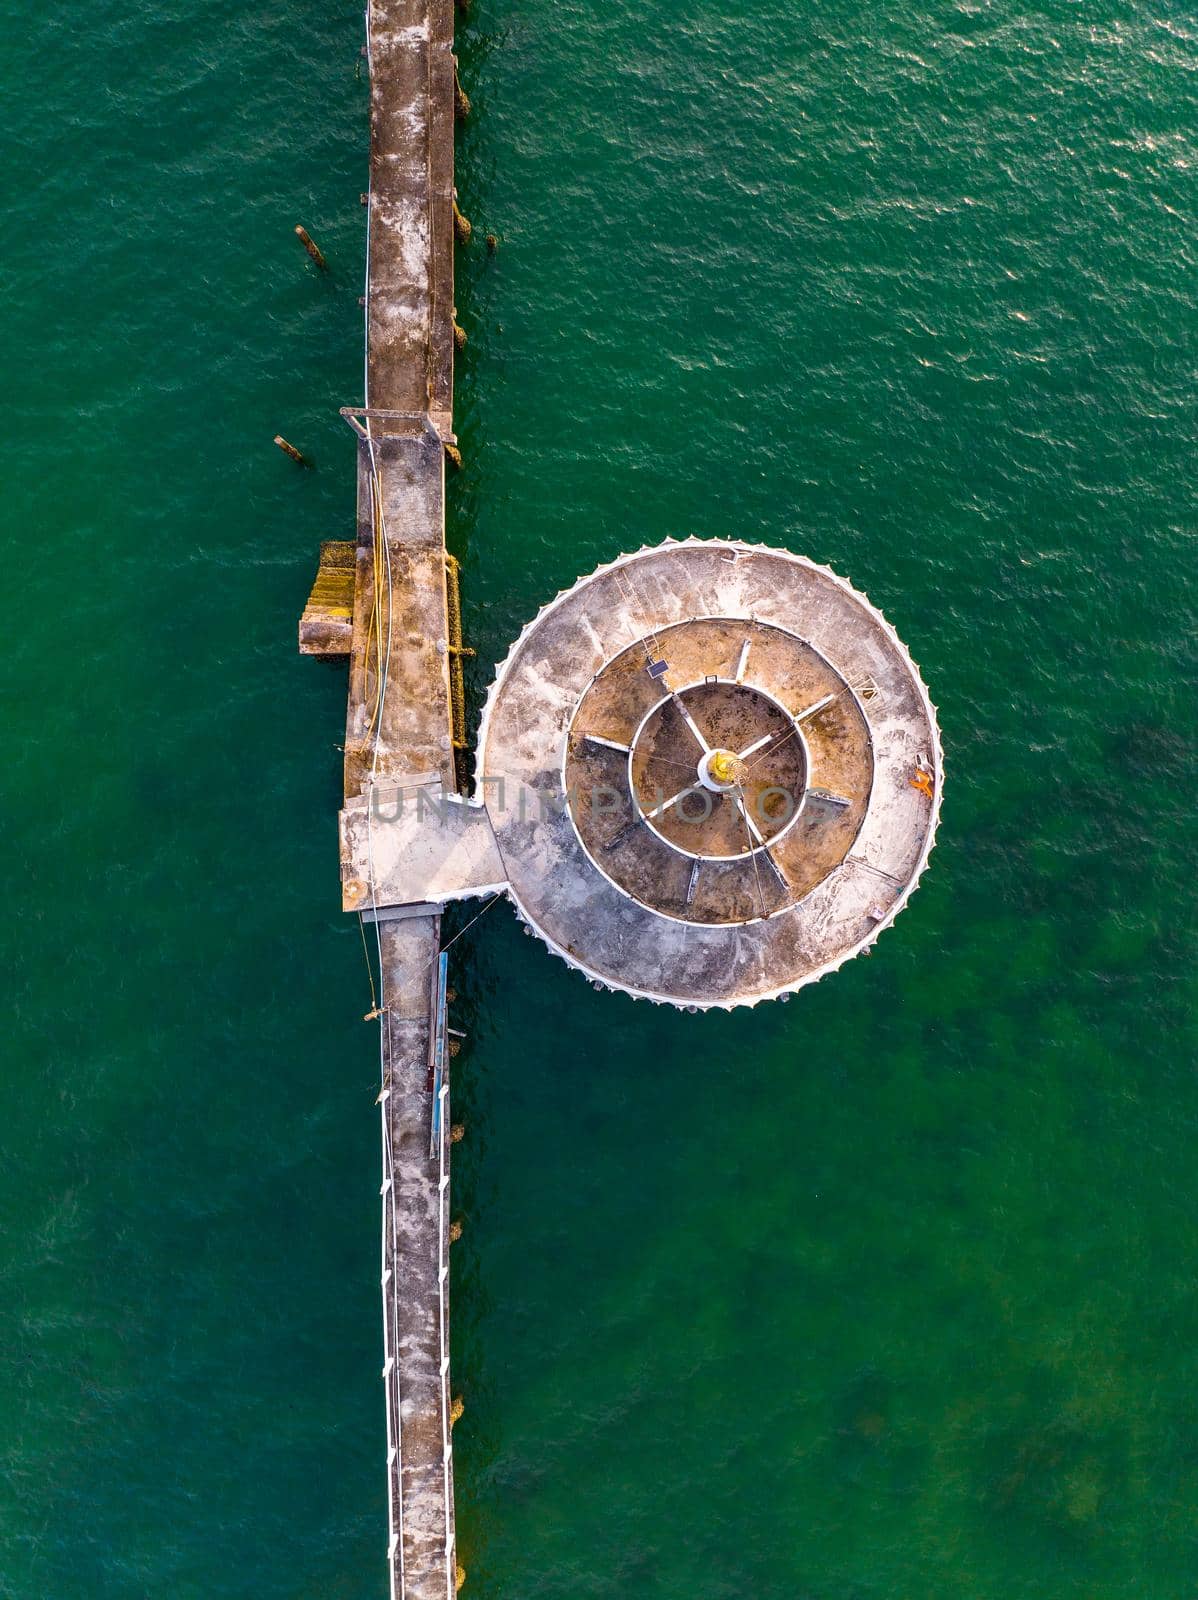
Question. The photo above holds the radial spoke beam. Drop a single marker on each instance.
(758, 744)
(778, 872)
(672, 801)
(818, 706)
(693, 884)
(691, 724)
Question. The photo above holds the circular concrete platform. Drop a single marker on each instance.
(713, 773)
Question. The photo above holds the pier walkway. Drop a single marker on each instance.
(398, 721)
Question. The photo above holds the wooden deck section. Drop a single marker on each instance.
(326, 626)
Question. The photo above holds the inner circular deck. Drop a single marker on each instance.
(666, 716)
(682, 795)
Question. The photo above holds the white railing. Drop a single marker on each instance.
(441, 1111)
(392, 1389)
(396, 1553)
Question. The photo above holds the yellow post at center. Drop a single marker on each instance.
(724, 767)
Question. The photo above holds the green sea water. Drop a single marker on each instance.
(886, 1294)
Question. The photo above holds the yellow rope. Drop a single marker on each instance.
(374, 999)
(376, 616)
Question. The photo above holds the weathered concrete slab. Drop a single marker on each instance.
(398, 717)
(415, 843)
(415, 1297)
(410, 294)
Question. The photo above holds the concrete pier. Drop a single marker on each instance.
(744, 676)
(708, 774)
(398, 722)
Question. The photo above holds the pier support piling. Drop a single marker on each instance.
(310, 245)
(288, 449)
